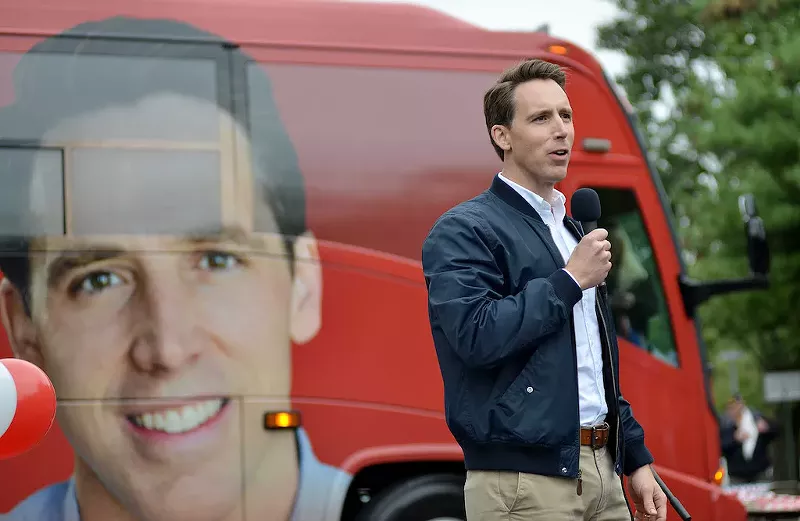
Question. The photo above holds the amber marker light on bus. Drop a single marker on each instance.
(282, 420)
(558, 49)
(719, 475)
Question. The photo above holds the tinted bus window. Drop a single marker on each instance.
(116, 191)
(131, 163)
(37, 173)
(70, 78)
(634, 285)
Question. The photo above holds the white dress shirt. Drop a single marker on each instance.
(591, 393)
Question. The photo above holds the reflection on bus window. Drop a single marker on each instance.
(634, 287)
(194, 78)
(36, 172)
(144, 191)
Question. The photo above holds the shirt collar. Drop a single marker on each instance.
(546, 210)
(71, 511)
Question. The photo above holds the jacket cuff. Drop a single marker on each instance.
(636, 456)
(566, 288)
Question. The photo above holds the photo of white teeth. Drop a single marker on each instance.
(179, 420)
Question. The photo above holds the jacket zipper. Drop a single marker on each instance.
(614, 382)
(579, 486)
(613, 373)
(579, 489)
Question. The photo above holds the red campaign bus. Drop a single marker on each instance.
(212, 216)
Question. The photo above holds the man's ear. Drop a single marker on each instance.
(500, 136)
(306, 311)
(18, 325)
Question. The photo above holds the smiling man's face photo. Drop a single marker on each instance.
(159, 272)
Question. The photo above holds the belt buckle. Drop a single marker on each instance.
(594, 437)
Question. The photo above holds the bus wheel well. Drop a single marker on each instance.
(369, 482)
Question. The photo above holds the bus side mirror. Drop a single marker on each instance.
(696, 292)
(757, 247)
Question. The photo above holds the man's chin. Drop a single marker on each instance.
(200, 489)
(210, 490)
(195, 503)
(558, 172)
(556, 177)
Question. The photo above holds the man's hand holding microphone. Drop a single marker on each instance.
(590, 261)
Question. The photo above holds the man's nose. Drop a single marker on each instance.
(560, 127)
(166, 336)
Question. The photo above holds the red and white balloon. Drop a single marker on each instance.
(27, 406)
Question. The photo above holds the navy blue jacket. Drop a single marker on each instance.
(500, 308)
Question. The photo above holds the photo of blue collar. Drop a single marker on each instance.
(320, 493)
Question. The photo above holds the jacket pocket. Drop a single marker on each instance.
(520, 414)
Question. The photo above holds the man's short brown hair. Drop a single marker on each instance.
(498, 102)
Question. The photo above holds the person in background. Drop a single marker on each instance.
(745, 437)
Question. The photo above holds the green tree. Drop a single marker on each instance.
(661, 42)
(753, 130)
(716, 84)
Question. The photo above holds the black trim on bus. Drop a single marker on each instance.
(172, 48)
(667, 212)
(121, 37)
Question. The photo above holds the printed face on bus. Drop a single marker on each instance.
(165, 322)
(539, 139)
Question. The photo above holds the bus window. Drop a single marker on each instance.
(634, 287)
(144, 191)
(194, 77)
(44, 206)
(123, 169)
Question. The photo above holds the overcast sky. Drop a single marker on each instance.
(574, 20)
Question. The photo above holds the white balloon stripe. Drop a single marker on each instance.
(8, 399)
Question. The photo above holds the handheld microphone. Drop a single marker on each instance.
(586, 208)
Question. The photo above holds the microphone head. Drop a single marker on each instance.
(585, 205)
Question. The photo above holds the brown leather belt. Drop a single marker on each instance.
(595, 437)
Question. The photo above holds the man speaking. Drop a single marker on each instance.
(525, 343)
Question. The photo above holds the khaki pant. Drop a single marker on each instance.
(515, 496)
